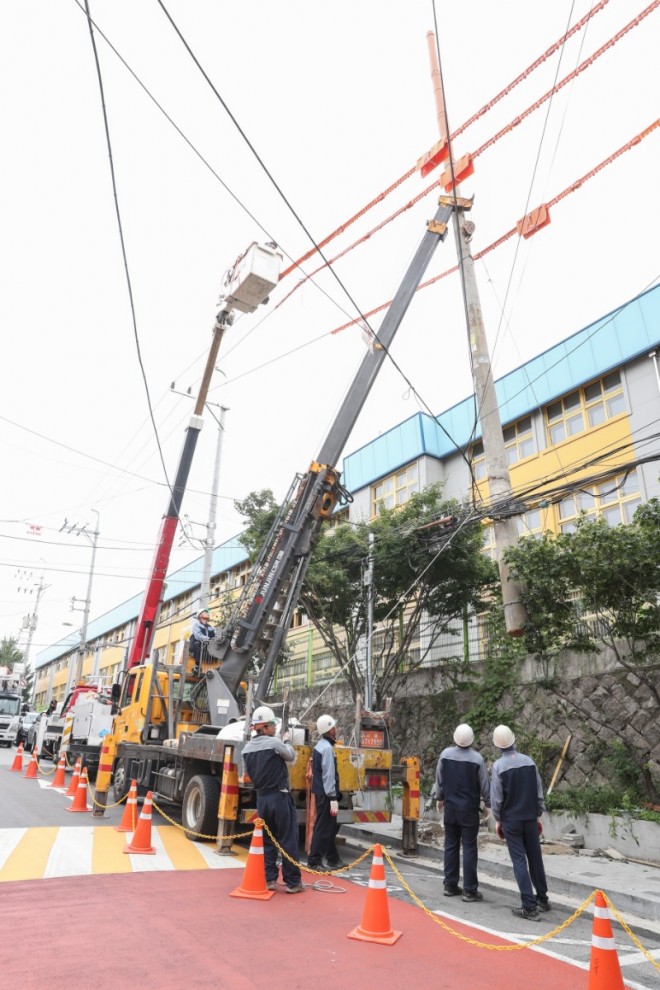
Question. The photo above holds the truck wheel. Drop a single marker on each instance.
(121, 779)
(199, 811)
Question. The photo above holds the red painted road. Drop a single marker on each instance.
(182, 931)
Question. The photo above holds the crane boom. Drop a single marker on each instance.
(261, 618)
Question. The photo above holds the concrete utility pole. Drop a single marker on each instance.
(497, 470)
(75, 669)
(209, 542)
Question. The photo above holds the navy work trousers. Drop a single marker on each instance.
(524, 844)
(279, 813)
(326, 827)
(461, 828)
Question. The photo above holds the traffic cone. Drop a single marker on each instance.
(73, 783)
(32, 771)
(141, 841)
(59, 780)
(253, 884)
(79, 802)
(604, 969)
(128, 821)
(375, 925)
(17, 765)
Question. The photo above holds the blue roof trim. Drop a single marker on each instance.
(617, 337)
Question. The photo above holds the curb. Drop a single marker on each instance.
(639, 910)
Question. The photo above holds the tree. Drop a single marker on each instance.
(598, 589)
(9, 652)
(429, 575)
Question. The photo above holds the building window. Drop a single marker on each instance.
(394, 490)
(586, 407)
(530, 523)
(519, 440)
(478, 459)
(614, 500)
(489, 545)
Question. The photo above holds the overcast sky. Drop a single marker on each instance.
(337, 101)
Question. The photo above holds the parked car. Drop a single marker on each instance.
(31, 734)
(24, 724)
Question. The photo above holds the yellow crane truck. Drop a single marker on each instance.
(180, 730)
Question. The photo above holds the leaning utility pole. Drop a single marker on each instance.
(497, 469)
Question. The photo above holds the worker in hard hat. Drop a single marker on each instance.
(325, 788)
(517, 802)
(265, 759)
(202, 633)
(461, 785)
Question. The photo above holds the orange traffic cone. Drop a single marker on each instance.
(17, 765)
(75, 779)
(128, 821)
(79, 802)
(141, 841)
(59, 780)
(604, 969)
(32, 771)
(253, 884)
(375, 925)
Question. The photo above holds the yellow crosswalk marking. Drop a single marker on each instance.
(33, 853)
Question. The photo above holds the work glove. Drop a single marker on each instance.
(540, 827)
(334, 808)
(485, 814)
(499, 830)
(440, 805)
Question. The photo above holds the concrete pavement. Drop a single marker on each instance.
(633, 888)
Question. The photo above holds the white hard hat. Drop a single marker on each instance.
(324, 723)
(263, 716)
(463, 735)
(503, 737)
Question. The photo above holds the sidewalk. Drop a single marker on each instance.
(633, 888)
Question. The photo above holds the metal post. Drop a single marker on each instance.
(75, 671)
(209, 542)
(369, 584)
(497, 469)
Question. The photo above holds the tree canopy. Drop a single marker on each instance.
(422, 572)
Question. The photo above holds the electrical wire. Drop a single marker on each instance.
(120, 228)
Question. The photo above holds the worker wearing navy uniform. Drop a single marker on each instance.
(202, 633)
(265, 759)
(325, 788)
(461, 784)
(517, 803)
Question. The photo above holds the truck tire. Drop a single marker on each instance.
(121, 779)
(199, 811)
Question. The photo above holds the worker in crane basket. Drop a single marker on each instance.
(325, 788)
(265, 758)
(202, 633)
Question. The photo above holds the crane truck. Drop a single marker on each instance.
(180, 729)
(11, 694)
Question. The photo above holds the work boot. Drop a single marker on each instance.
(472, 895)
(543, 904)
(453, 890)
(526, 913)
(296, 889)
(271, 885)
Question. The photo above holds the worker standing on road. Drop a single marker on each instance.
(265, 759)
(461, 783)
(325, 788)
(517, 801)
(202, 633)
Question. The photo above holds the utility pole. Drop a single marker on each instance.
(369, 585)
(30, 624)
(497, 469)
(75, 669)
(209, 542)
